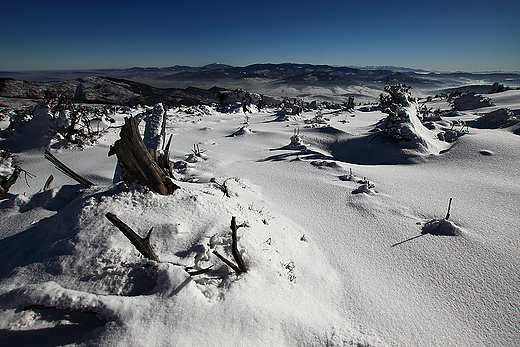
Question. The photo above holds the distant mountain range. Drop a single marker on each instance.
(106, 90)
(333, 83)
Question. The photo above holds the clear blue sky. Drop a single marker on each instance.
(432, 35)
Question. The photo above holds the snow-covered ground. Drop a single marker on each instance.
(346, 241)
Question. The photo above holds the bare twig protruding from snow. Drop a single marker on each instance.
(410, 239)
(449, 208)
(228, 262)
(142, 244)
(197, 151)
(234, 244)
(199, 272)
(63, 168)
(240, 267)
(223, 187)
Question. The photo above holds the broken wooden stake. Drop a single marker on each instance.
(63, 168)
(142, 244)
(448, 213)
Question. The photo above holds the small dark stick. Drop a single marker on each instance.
(448, 213)
(234, 245)
(228, 262)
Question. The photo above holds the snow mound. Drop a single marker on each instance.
(297, 142)
(35, 132)
(500, 118)
(244, 130)
(77, 261)
(441, 227)
(52, 295)
(470, 101)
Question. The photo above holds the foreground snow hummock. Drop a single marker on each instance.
(90, 267)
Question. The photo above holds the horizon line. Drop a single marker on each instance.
(365, 67)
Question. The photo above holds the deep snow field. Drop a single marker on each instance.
(346, 242)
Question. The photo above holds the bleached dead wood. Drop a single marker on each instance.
(137, 163)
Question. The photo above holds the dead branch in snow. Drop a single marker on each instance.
(199, 272)
(164, 162)
(142, 244)
(223, 187)
(137, 163)
(63, 168)
(197, 151)
(240, 267)
(228, 262)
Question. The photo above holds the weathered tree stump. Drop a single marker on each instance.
(137, 163)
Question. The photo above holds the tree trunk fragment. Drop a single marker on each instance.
(136, 162)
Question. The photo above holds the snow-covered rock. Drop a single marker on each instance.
(240, 100)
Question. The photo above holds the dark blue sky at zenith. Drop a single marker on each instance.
(431, 35)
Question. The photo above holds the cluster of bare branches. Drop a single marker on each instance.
(240, 266)
(142, 244)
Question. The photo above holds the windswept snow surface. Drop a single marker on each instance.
(346, 239)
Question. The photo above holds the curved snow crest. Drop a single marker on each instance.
(52, 295)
